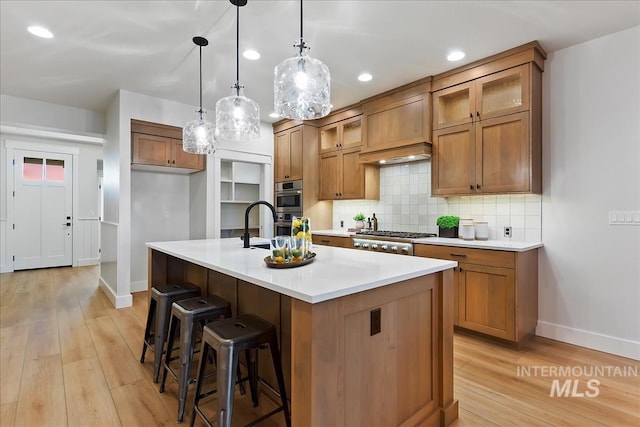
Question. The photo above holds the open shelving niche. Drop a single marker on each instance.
(239, 187)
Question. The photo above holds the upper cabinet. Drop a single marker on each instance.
(496, 95)
(288, 154)
(154, 144)
(341, 175)
(397, 123)
(487, 120)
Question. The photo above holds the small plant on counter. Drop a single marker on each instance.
(359, 219)
(448, 225)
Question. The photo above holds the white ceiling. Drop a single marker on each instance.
(145, 46)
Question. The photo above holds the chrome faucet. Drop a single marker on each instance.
(246, 218)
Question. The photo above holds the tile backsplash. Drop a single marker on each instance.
(406, 204)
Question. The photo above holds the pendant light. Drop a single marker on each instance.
(198, 136)
(237, 117)
(302, 85)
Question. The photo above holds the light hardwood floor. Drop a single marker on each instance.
(69, 358)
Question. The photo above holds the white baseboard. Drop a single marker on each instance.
(4, 268)
(118, 301)
(140, 286)
(88, 261)
(592, 340)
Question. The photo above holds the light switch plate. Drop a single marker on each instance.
(624, 217)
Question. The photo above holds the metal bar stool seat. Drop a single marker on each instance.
(229, 338)
(155, 333)
(187, 314)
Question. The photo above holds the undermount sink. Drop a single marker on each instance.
(261, 246)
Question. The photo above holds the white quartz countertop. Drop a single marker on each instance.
(336, 272)
(480, 244)
(337, 233)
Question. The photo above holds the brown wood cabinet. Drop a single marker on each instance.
(154, 144)
(341, 242)
(495, 292)
(288, 154)
(487, 128)
(341, 176)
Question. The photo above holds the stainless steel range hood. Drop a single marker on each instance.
(406, 153)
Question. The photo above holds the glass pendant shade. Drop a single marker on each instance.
(237, 117)
(302, 88)
(198, 136)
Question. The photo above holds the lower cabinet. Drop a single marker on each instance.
(495, 292)
(341, 242)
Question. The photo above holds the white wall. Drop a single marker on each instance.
(159, 212)
(38, 114)
(589, 273)
(60, 120)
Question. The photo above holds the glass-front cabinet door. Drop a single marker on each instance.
(506, 92)
(454, 106)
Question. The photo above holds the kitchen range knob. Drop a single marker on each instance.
(394, 249)
(374, 246)
(384, 247)
(405, 250)
(356, 244)
(365, 245)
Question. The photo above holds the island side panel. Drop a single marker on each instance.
(339, 368)
(448, 406)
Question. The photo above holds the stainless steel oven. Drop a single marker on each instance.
(283, 225)
(288, 196)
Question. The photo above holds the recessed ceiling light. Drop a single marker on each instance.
(456, 55)
(274, 115)
(251, 54)
(382, 162)
(412, 157)
(40, 32)
(365, 77)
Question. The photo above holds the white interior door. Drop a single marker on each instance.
(42, 209)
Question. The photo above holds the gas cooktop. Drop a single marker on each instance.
(396, 234)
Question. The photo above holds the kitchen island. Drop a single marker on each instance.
(366, 338)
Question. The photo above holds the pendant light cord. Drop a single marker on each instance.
(237, 85)
(301, 44)
(200, 111)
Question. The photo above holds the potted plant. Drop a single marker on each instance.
(359, 219)
(448, 226)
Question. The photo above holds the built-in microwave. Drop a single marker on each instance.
(288, 196)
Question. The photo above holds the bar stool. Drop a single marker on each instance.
(162, 296)
(228, 338)
(186, 314)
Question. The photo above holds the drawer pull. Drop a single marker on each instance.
(324, 241)
(459, 255)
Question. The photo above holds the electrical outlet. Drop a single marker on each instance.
(341, 224)
(507, 232)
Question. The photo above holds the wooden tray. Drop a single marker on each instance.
(293, 264)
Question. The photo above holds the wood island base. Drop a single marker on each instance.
(381, 357)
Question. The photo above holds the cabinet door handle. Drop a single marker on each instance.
(478, 114)
(470, 186)
(471, 116)
(458, 255)
(460, 269)
(168, 162)
(174, 162)
(337, 145)
(477, 186)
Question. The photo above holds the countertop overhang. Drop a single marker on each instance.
(336, 272)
